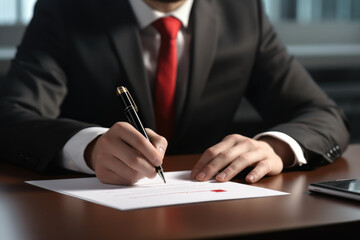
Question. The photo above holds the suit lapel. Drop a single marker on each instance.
(124, 33)
(205, 31)
(205, 37)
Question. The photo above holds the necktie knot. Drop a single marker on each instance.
(168, 27)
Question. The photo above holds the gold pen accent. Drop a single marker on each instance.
(122, 89)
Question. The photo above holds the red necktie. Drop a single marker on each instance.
(168, 28)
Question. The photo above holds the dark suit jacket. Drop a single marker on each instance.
(76, 52)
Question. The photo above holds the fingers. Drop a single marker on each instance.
(119, 163)
(128, 134)
(133, 160)
(123, 174)
(239, 164)
(122, 155)
(159, 142)
(216, 158)
(262, 168)
(232, 155)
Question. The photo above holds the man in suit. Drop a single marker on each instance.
(58, 105)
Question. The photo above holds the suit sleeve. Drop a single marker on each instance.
(32, 135)
(286, 96)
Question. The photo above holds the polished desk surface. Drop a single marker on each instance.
(28, 212)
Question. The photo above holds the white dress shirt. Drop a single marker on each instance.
(72, 155)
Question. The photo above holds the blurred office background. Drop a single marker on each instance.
(324, 35)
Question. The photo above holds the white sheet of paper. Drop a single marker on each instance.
(179, 189)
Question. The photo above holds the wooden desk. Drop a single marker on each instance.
(28, 212)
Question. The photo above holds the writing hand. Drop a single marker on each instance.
(123, 155)
(235, 152)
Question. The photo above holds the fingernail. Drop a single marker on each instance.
(161, 150)
(221, 176)
(251, 178)
(200, 176)
(157, 162)
(194, 173)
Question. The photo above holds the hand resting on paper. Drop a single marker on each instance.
(235, 152)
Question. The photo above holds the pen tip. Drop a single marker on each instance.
(161, 174)
(160, 171)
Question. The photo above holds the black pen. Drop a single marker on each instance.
(131, 113)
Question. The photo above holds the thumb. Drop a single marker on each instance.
(159, 142)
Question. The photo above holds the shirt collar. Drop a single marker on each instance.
(145, 15)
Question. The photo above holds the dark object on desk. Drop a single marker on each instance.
(348, 188)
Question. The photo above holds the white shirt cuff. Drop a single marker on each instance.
(295, 147)
(72, 155)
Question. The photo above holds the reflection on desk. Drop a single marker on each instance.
(28, 212)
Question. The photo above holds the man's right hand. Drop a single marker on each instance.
(123, 155)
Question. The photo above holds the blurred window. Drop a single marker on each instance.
(308, 11)
(320, 33)
(309, 28)
(16, 12)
